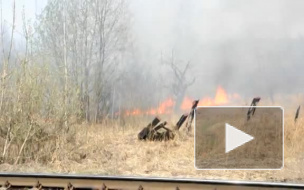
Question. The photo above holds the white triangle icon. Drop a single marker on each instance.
(235, 137)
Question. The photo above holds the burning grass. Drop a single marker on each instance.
(111, 149)
(221, 97)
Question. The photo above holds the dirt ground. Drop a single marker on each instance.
(115, 150)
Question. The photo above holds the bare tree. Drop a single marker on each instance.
(180, 82)
(96, 33)
(4, 75)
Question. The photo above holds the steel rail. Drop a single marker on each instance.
(69, 181)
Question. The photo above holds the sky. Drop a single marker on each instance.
(30, 7)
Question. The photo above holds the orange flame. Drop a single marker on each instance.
(166, 107)
(221, 98)
(187, 103)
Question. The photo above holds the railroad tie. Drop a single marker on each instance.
(38, 186)
(104, 187)
(70, 187)
(6, 186)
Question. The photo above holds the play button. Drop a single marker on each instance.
(235, 138)
(225, 139)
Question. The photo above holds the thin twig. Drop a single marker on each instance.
(23, 144)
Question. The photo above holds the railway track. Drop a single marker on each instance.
(77, 182)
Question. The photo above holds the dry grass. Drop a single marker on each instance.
(110, 149)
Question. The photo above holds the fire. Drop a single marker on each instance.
(221, 98)
(166, 107)
(187, 103)
(206, 102)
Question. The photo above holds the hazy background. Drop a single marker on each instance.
(249, 47)
(253, 48)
